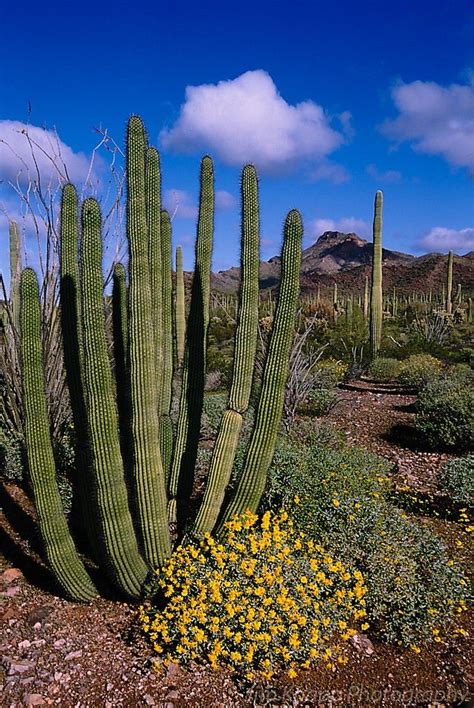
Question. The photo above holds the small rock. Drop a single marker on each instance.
(11, 574)
(37, 626)
(59, 643)
(39, 614)
(363, 644)
(149, 700)
(172, 673)
(11, 592)
(33, 699)
(19, 667)
(25, 644)
(73, 655)
(109, 686)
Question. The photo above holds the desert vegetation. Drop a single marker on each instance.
(178, 449)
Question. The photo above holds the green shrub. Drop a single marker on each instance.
(329, 372)
(338, 497)
(320, 401)
(456, 479)
(445, 415)
(418, 370)
(384, 369)
(12, 456)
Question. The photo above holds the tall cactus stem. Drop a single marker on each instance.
(166, 426)
(149, 478)
(61, 553)
(261, 448)
(180, 318)
(449, 284)
(244, 360)
(15, 273)
(118, 542)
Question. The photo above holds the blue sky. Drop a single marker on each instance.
(331, 101)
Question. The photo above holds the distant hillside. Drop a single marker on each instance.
(345, 259)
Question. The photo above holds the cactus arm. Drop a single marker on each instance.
(244, 361)
(251, 484)
(118, 542)
(60, 551)
(150, 489)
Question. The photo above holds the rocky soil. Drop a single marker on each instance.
(54, 652)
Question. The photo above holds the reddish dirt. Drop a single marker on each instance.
(55, 652)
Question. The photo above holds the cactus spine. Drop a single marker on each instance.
(59, 547)
(251, 484)
(449, 284)
(244, 357)
(180, 307)
(376, 287)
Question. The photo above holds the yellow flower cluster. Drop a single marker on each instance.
(264, 598)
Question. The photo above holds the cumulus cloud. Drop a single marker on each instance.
(330, 171)
(246, 120)
(389, 176)
(442, 239)
(347, 224)
(55, 160)
(437, 120)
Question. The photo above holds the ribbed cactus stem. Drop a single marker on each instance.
(244, 360)
(122, 373)
(251, 484)
(194, 365)
(180, 318)
(166, 426)
(149, 478)
(366, 297)
(376, 287)
(449, 284)
(15, 273)
(459, 295)
(61, 553)
(115, 528)
(153, 214)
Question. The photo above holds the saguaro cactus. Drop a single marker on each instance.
(376, 286)
(59, 547)
(449, 284)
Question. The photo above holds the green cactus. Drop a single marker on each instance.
(449, 285)
(180, 308)
(261, 448)
(194, 365)
(244, 360)
(119, 549)
(166, 426)
(149, 477)
(61, 553)
(153, 215)
(122, 372)
(15, 273)
(376, 286)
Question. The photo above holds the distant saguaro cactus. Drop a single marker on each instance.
(376, 286)
(449, 285)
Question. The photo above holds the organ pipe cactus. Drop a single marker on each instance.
(125, 424)
(180, 307)
(15, 273)
(376, 287)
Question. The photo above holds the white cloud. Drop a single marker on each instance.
(55, 160)
(437, 120)
(180, 204)
(246, 120)
(389, 176)
(224, 200)
(442, 239)
(347, 224)
(330, 171)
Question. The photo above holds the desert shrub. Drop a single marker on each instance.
(456, 479)
(264, 599)
(445, 415)
(413, 587)
(320, 401)
(12, 456)
(384, 369)
(329, 372)
(418, 370)
(214, 406)
(213, 381)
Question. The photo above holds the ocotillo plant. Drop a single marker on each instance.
(128, 523)
(449, 284)
(376, 286)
